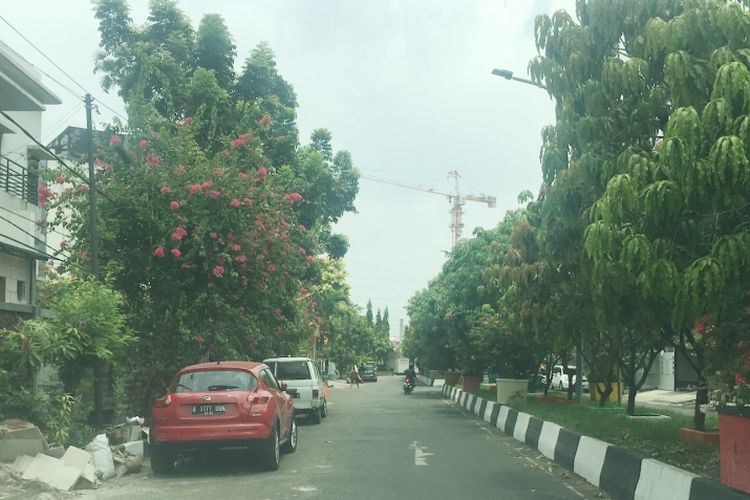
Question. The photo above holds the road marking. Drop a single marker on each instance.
(420, 456)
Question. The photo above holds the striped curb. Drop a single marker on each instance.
(624, 475)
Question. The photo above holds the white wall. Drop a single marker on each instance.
(15, 269)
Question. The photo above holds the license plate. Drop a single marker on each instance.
(209, 409)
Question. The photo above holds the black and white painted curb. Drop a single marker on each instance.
(624, 475)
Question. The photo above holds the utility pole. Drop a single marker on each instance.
(94, 255)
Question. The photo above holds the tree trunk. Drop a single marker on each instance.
(604, 395)
(632, 391)
(701, 398)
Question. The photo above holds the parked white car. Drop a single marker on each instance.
(560, 378)
(304, 385)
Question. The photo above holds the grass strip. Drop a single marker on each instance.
(652, 439)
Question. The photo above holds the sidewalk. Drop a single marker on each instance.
(680, 402)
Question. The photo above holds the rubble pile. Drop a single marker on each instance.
(117, 453)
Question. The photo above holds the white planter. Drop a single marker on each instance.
(508, 388)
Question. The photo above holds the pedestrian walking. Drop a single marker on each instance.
(354, 377)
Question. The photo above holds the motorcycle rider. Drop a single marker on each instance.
(410, 375)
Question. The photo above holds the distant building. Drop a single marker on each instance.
(22, 243)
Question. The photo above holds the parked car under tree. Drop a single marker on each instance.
(227, 404)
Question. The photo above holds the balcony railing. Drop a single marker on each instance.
(18, 180)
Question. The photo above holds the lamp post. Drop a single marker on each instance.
(508, 75)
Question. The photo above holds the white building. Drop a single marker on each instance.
(22, 244)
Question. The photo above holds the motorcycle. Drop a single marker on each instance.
(408, 385)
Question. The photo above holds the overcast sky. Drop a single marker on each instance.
(405, 86)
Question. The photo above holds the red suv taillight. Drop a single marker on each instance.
(163, 402)
(257, 400)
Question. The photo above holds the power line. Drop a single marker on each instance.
(60, 160)
(30, 220)
(72, 92)
(45, 56)
(27, 233)
(112, 110)
(36, 250)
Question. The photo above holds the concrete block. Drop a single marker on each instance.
(52, 471)
(659, 480)
(134, 448)
(21, 463)
(55, 451)
(590, 459)
(136, 433)
(81, 460)
(20, 438)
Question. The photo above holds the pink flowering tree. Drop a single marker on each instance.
(208, 252)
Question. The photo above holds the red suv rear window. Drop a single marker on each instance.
(215, 380)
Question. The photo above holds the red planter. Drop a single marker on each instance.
(470, 382)
(734, 448)
(707, 439)
(451, 378)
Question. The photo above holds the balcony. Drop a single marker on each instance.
(19, 181)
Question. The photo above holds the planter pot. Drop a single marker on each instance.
(707, 439)
(606, 409)
(451, 378)
(734, 447)
(509, 388)
(648, 418)
(471, 382)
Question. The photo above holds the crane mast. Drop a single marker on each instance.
(457, 201)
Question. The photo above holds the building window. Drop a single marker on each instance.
(2, 288)
(21, 291)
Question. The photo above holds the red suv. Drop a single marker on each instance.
(227, 404)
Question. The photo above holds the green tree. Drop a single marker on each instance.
(674, 224)
(215, 49)
(368, 313)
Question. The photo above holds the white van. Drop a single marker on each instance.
(304, 385)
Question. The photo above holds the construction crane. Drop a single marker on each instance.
(457, 201)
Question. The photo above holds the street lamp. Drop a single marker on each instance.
(508, 75)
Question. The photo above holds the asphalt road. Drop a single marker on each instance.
(376, 444)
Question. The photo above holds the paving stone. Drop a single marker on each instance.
(52, 471)
(81, 460)
(135, 448)
(21, 463)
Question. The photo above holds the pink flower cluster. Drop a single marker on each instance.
(60, 179)
(115, 140)
(266, 120)
(235, 203)
(218, 271)
(174, 205)
(153, 160)
(179, 233)
(159, 251)
(240, 140)
(293, 198)
(165, 190)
